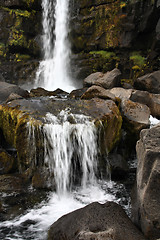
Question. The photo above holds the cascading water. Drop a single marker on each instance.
(69, 146)
(70, 158)
(54, 71)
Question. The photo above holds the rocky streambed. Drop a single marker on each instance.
(119, 116)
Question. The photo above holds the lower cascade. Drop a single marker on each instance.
(70, 143)
(70, 160)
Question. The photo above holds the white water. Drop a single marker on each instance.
(54, 70)
(70, 149)
(70, 141)
(153, 121)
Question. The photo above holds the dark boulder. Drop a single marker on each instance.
(6, 89)
(145, 199)
(41, 92)
(76, 94)
(95, 221)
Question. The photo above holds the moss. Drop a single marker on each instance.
(137, 59)
(22, 57)
(19, 12)
(105, 54)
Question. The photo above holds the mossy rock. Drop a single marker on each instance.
(7, 162)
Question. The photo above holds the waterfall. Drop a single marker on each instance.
(53, 71)
(70, 149)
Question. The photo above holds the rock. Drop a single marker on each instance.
(121, 93)
(151, 100)
(119, 166)
(108, 80)
(11, 183)
(99, 92)
(92, 79)
(13, 96)
(2, 78)
(149, 82)
(145, 199)
(6, 89)
(135, 116)
(41, 92)
(22, 120)
(7, 162)
(95, 221)
(76, 94)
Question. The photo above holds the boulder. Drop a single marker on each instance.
(121, 93)
(95, 221)
(135, 116)
(107, 80)
(145, 199)
(149, 99)
(149, 82)
(6, 89)
(7, 162)
(99, 92)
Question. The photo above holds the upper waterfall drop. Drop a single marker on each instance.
(53, 71)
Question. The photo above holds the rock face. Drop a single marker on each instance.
(95, 221)
(106, 34)
(19, 41)
(146, 201)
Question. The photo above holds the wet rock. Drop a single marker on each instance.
(6, 89)
(41, 180)
(95, 221)
(22, 120)
(145, 199)
(107, 80)
(11, 183)
(135, 116)
(99, 92)
(149, 82)
(7, 162)
(119, 166)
